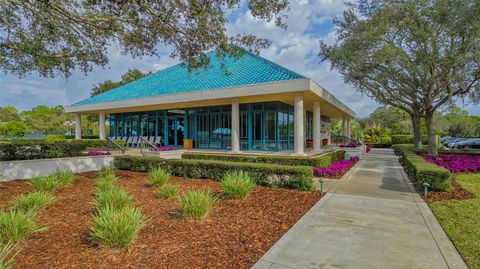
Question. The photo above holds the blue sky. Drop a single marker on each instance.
(295, 48)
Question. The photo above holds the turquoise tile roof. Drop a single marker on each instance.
(246, 70)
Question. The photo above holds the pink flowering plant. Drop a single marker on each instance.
(97, 153)
(165, 148)
(336, 168)
(456, 163)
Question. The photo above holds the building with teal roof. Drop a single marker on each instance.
(235, 104)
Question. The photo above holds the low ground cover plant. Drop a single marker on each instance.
(456, 163)
(197, 204)
(238, 184)
(168, 191)
(117, 228)
(158, 177)
(33, 201)
(97, 153)
(6, 257)
(16, 225)
(335, 169)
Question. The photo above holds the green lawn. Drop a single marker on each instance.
(461, 220)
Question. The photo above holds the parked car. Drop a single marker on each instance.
(459, 143)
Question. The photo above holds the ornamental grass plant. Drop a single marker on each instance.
(238, 184)
(114, 197)
(44, 183)
(16, 225)
(63, 177)
(6, 256)
(106, 171)
(105, 183)
(117, 228)
(33, 201)
(168, 191)
(197, 204)
(158, 177)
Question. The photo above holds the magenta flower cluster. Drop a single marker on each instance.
(368, 149)
(336, 168)
(97, 153)
(456, 163)
(165, 148)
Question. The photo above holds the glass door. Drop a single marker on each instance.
(176, 131)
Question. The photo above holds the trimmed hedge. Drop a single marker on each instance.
(29, 150)
(274, 175)
(408, 139)
(315, 161)
(379, 145)
(422, 171)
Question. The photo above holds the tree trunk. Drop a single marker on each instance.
(417, 135)
(432, 136)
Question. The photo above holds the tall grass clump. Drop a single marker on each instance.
(197, 204)
(168, 191)
(5, 251)
(238, 184)
(117, 228)
(33, 201)
(44, 183)
(116, 198)
(106, 183)
(63, 177)
(158, 177)
(106, 171)
(16, 225)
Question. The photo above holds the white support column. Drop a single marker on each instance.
(299, 137)
(101, 125)
(345, 127)
(78, 126)
(235, 126)
(317, 138)
(349, 131)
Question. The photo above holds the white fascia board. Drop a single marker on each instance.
(330, 98)
(221, 93)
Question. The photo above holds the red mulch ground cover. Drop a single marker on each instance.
(458, 193)
(11, 189)
(235, 235)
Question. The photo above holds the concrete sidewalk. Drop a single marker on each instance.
(371, 219)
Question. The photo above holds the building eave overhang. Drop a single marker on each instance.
(278, 87)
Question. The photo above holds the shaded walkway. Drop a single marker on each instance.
(371, 219)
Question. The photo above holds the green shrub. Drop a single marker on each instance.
(117, 228)
(424, 172)
(407, 139)
(197, 204)
(18, 149)
(314, 161)
(54, 138)
(63, 177)
(33, 201)
(296, 177)
(158, 177)
(114, 197)
(44, 183)
(106, 171)
(16, 225)
(238, 184)
(6, 258)
(168, 191)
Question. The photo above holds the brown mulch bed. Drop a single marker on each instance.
(11, 189)
(235, 235)
(458, 193)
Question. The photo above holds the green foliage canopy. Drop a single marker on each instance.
(58, 36)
